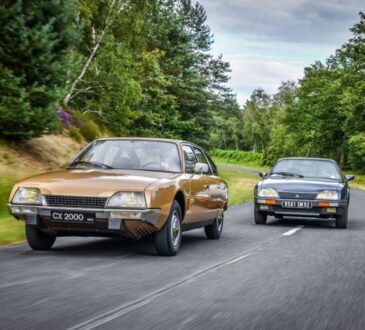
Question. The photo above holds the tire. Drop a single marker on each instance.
(37, 239)
(341, 220)
(168, 240)
(260, 217)
(214, 231)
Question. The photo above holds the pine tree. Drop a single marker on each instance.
(34, 41)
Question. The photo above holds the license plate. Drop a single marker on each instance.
(72, 217)
(296, 205)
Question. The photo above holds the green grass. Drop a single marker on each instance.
(240, 185)
(250, 165)
(11, 230)
(359, 182)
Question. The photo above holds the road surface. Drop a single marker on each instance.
(285, 275)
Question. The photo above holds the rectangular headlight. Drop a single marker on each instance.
(268, 192)
(328, 194)
(30, 196)
(127, 200)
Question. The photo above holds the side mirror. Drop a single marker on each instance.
(263, 174)
(349, 177)
(201, 168)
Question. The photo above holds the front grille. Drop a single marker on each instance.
(76, 201)
(294, 195)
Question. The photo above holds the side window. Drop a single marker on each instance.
(201, 158)
(190, 159)
(212, 165)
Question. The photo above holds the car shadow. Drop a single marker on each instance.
(114, 247)
(309, 223)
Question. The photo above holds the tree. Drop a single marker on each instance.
(35, 39)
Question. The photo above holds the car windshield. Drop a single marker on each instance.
(307, 168)
(130, 154)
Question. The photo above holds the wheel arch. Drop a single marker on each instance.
(180, 198)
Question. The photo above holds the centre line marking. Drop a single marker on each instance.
(293, 231)
(238, 258)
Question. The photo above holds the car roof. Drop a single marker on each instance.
(142, 139)
(308, 158)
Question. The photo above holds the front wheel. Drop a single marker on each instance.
(168, 240)
(260, 217)
(37, 239)
(214, 231)
(341, 220)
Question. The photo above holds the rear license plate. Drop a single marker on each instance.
(72, 217)
(296, 205)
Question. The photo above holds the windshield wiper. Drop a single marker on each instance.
(288, 174)
(87, 162)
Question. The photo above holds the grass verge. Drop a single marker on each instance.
(11, 230)
(240, 185)
(359, 182)
(249, 165)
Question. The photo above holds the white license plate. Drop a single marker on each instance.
(72, 217)
(296, 205)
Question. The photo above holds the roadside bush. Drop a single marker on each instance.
(86, 126)
(74, 133)
(357, 152)
(238, 156)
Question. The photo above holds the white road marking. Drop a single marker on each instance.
(123, 309)
(238, 258)
(293, 231)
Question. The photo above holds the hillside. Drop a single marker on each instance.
(18, 161)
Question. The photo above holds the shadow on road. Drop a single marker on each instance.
(113, 247)
(308, 223)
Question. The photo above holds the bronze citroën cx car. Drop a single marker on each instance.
(131, 187)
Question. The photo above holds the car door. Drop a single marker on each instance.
(210, 182)
(197, 209)
(214, 184)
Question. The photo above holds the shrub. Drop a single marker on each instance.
(87, 127)
(238, 156)
(357, 152)
(74, 133)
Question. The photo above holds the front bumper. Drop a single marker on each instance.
(319, 209)
(107, 219)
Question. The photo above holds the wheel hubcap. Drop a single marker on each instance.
(220, 222)
(175, 229)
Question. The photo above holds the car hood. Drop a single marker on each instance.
(300, 185)
(93, 182)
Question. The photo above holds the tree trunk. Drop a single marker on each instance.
(108, 23)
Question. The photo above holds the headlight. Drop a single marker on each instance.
(268, 192)
(28, 196)
(127, 199)
(327, 194)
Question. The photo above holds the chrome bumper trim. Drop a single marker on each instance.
(114, 216)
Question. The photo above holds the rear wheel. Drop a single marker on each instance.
(37, 239)
(214, 231)
(341, 220)
(168, 240)
(260, 217)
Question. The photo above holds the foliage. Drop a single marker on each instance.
(323, 115)
(84, 126)
(34, 41)
(357, 152)
(74, 133)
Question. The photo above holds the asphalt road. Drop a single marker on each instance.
(285, 275)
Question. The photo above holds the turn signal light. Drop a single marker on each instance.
(271, 201)
(324, 204)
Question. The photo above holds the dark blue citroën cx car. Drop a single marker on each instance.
(303, 187)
